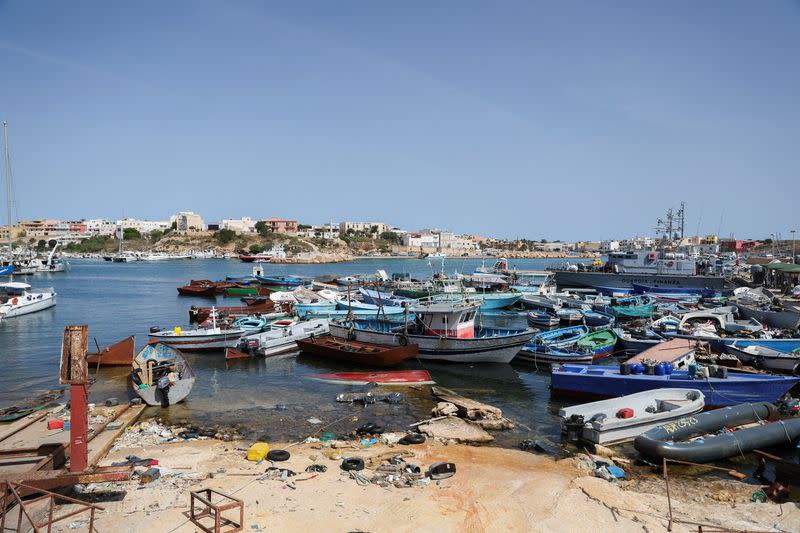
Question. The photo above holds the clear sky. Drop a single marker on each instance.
(571, 120)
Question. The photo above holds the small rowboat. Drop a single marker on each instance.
(200, 314)
(120, 353)
(160, 375)
(537, 318)
(247, 290)
(363, 353)
(207, 290)
(545, 354)
(392, 377)
(600, 342)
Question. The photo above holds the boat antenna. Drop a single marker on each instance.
(9, 191)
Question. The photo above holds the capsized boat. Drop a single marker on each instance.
(388, 377)
(767, 358)
(674, 440)
(161, 375)
(361, 353)
(593, 381)
(622, 419)
(445, 331)
(118, 354)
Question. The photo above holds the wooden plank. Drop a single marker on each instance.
(18, 425)
(106, 438)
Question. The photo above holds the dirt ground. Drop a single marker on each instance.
(494, 489)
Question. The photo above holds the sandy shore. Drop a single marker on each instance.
(494, 489)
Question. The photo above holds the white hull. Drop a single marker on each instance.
(25, 307)
(603, 427)
(189, 342)
(278, 341)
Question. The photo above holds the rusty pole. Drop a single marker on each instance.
(75, 373)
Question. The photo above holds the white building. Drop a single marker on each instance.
(421, 240)
(101, 226)
(242, 225)
(143, 226)
(609, 246)
(344, 227)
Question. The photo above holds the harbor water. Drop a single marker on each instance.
(274, 397)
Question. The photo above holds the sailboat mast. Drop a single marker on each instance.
(9, 190)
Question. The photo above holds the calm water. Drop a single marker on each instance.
(118, 300)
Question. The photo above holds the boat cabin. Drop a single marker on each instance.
(447, 319)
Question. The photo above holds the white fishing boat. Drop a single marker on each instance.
(52, 263)
(444, 331)
(281, 337)
(160, 375)
(18, 299)
(201, 338)
(622, 419)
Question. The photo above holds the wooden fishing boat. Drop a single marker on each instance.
(247, 290)
(198, 289)
(161, 375)
(444, 331)
(674, 440)
(201, 338)
(635, 341)
(200, 314)
(281, 281)
(601, 342)
(704, 292)
(624, 418)
(569, 315)
(679, 353)
(546, 354)
(767, 358)
(542, 319)
(596, 319)
(391, 377)
(561, 337)
(118, 354)
(362, 353)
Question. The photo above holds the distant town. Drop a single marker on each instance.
(252, 234)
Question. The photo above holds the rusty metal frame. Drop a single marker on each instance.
(11, 492)
(215, 511)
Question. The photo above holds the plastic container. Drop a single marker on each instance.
(624, 369)
(659, 369)
(637, 368)
(649, 370)
(55, 424)
(722, 372)
(257, 451)
(692, 369)
(667, 368)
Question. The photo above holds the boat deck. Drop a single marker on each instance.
(669, 351)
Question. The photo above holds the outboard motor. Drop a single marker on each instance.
(573, 427)
(155, 329)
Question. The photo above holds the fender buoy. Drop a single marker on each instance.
(403, 340)
(14, 301)
(412, 438)
(353, 463)
(278, 455)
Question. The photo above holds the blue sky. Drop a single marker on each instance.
(571, 120)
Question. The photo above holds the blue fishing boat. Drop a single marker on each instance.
(635, 341)
(779, 345)
(375, 297)
(561, 337)
(303, 310)
(628, 307)
(281, 281)
(594, 381)
(543, 353)
(596, 319)
(569, 315)
(705, 292)
(542, 319)
(489, 300)
(242, 280)
(613, 291)
(392, 313)
(7, 270)
(363, 306)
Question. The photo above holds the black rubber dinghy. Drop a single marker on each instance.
(667, 439)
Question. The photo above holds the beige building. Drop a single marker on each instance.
(366, 227)
(241, 225)
(280, 225)
(186, 221)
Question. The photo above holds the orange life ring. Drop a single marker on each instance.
(14, 301)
